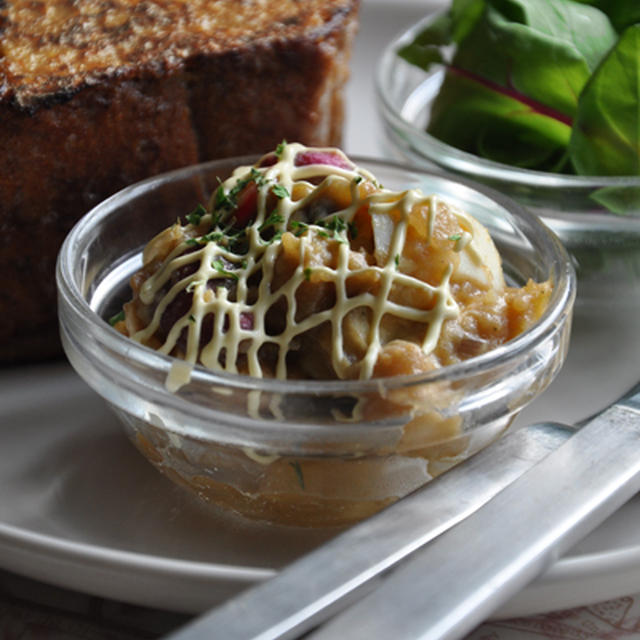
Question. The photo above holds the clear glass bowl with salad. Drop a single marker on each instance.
(172, 312)
(538, 100)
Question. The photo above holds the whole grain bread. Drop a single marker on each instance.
(97, 94)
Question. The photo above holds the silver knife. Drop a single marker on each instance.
(454, 583)
(346, 568)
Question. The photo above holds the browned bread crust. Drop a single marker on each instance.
(97, 94)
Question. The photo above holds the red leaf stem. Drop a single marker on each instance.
(534, 105)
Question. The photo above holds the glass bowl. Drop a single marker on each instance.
(604, 245)
(294, 452)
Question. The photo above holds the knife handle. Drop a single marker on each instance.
(451, 585)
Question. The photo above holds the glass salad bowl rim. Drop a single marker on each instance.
(560, 302)
(457, 159)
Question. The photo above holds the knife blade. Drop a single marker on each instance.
(452, 584)
(346, 568)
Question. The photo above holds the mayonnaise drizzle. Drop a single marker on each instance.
(230, 336)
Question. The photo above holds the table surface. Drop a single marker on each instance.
(30, 609)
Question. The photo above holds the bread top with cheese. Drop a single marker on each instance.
(49, 46)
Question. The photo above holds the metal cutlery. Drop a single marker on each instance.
(350, 565)
(452, 584)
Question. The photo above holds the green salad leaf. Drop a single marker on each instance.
(606, 135)
(622, 13)
(623, 200)
(525, 82)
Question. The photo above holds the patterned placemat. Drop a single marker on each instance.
(31, 610)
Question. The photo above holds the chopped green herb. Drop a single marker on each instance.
(455, 237)
(218, 265)
(300, 228)
(307, 273)
(280, 148)
(298, 469)
(257, 177)
(337, 225)
(228, 201)
(221, 199)
(357, 179)
(280, 191)
(353, 230)
(118, 317)
(192, 318)
(196, 215)
(213, 236)
(397, 260)
(272, 220)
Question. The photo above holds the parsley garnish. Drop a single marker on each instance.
(192, 318)
(227, 201)
(196, 215)
(300, 228)
(307, 273)
(298, 469)
(273, 219)
(397, 260)
(257, 177)
(280, 191)
(118, 317)
(357, 179)
(280, 148)
(455, 237)
(221, 199)
(218, 265)
(336, 225)
(213, 236)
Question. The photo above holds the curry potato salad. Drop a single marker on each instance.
(304, 267)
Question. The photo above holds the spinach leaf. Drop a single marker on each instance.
(425, 49)
(583, 28)
(622, 13)
(606, 135)
(515, 78)
(525, 82)
(447, 28)
(536, 60)
(624, 201)
(496, 126)
(464, 14)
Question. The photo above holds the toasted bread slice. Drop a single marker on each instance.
(97, 94)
